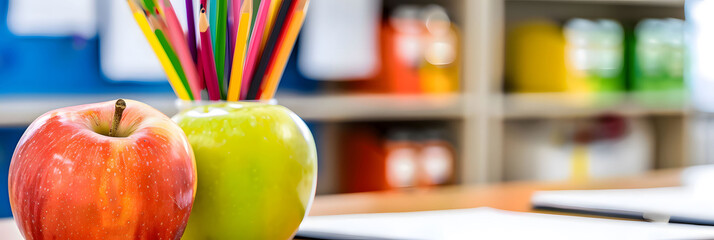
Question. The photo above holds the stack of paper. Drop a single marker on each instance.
(691, 203)
(487, 223)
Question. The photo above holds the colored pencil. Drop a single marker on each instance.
(265, 58)
(191, 31)
(272, 11)
(159, 7)
(235, 49)
(256, 39)
(245, 13)
(171, 74)
(174, 60)
(180, 45)
(199, 67)
(209, 66)
(213, 16)
(228, 62)
(233, 19)
(235, 8)
(220, 45)
(284, 48)
(150, 6)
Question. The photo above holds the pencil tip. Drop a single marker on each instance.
(202, 21)
(247, 6)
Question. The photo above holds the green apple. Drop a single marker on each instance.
(257, 166)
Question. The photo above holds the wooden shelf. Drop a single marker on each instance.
(375, 107)
(21, 110)
(562, 105)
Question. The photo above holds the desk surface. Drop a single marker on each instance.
(514, 196)
(507, 196)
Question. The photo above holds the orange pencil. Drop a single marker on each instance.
(284, 47)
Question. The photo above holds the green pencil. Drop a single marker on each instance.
(212, 16)
(174, 60)
(220, 45)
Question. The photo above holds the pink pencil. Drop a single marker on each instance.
(254, 47)
(179, 42)
(209, 63)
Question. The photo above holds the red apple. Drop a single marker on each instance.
(70, 178)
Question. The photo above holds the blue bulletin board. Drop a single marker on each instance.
(8, 140)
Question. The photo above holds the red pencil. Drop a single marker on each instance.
(209, 64)
(199, 66)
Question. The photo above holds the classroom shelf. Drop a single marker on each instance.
(562, 105)
(375, 107)
(24, 109)
(21, 110)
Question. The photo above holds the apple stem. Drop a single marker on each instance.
(119, 107)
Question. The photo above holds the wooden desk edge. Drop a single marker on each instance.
(512, 196)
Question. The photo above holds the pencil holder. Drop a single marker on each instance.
(257, 169)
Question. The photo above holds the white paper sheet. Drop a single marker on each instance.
(52, 17)
(487, 223)
(695, 199)
(675, 201)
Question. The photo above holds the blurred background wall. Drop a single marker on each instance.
(418, 93)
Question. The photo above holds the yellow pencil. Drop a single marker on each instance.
(272, 11)
(173, 77)
(281, 58)
(246, 11)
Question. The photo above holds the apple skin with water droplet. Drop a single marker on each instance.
(69, 180)
(258, 168)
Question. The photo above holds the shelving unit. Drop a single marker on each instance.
(21, 110)
(375, 107)
(668, 112)
(486, 109)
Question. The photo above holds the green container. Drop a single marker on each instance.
(596, 51)
(257, 170)
(657, 62)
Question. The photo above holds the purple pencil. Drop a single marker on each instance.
(231, 40)
(191, 30)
